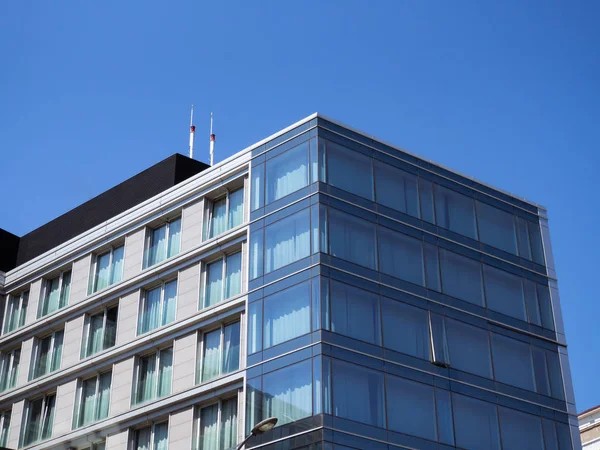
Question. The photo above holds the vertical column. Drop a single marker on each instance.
(72, 341)
(191, 225)
(122, 378)
(65, 402)
(118, 441)
(181, 428)
(35, 291)
(184, 362)
(79, 279)
(134, 253)
(128, 317)
(188, 291)
(16, 418)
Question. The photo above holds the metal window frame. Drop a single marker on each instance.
(152, 426)
(11, 311)
(46, 292)
(79, 398)
(144, 300)
(36, 354)
(150, 241)
(198, 414)
(138, 373)
(202, 348)
(224, 258)
(86, 330)
(44, 398)
(6, 369)
(97, 256)
(5, 417)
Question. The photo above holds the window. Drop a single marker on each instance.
(157, 307)
(530, 240)
(93, 398)
(504, 292)
(224, 213)
(461, 277)
(512, 362)
(163, 242)
(355, 313)
(47, 353)
(287, 240)
(406, 329)
(468, 348)
(352, 239)
(397, 189)
(496, 227)
(287, 172)
(16, 311)
(100, 332)
(475, 424)
(521, 430)
(154, 373)
(349, 170)
(455, 212)
(215, 426)
(56, 294)
(39, 416)
(9, 369)
(286, 315)
(220, 352)
(4, 427)
(228, 268)
(107, 269)
(97, 446)
(358, 393)
(154, 437)
(401, 256)
(411, 407)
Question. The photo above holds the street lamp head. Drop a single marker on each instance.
(264, 426)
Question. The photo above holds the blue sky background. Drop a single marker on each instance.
(508, 92)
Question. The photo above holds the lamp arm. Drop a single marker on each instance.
(244, 441)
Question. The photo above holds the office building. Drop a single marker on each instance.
(589, 426)
(363, 296)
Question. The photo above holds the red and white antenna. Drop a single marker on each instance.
(192, 132)
(212, 140)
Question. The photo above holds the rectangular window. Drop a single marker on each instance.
(220, 352)
(354, 313)
(39, 416)
(406, 329)
(157, 307)
(513, 363)
(461, 277)
(107, 269)
(397, 189)
(496, 227)
(9, 369)
(222, 279)
(287, 172)
(224, 213)
(56, 294)
(154, 437)
(349, 170)
(352, 239)
(4, 427)
(460, 336)
(47, 354)
(455, 212)
(504, 292)
(97, 446)
(358, 393)
(521, 430)
(163, 242)
(93, 399)
(401, 256)
(287, 240)
(286, 315)
(215, 426)
(475, 424)
(100, 332)
(16, 311)
(154, 373)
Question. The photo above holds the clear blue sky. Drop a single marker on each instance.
(509, 92)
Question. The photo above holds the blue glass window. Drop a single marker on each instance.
(469, 348)
(520, 430)
(405, 328)
(512, 362)
(475, 424)
(531, 299)
(411, 407)
(287, 172)
(461, 277)
(352, 239)
(349, 170)
(496, 227)
(504, 292)
(397, 189)
(455, 212)
(355, 313)
(287, 240)
(401, 256)
(358, 393)
(287, 314)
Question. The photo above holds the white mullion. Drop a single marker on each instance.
(41, 424)
(202, 349)
(60, 284)
(96, 394)
(227, 210)
(223, 272)
(104, 319)
(221, 347)
(219, 407)
(161, 306)
(95, 273)
(157, 369)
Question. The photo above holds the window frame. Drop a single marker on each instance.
(144, 298)
(21, 298)
(79, 396)
(10, 355)
(85, 341)
(223, 257)
(150, 237)
(137, 374)
(152, 426)
(197, 424)
(202, 346)
(94, 269)
(209, 211)
(27, 415)
(46, 292)
(36, 353)
(5, 419)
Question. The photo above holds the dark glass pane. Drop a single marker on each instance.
(461, 277)
(410, 407)
(401, 256)
(496, 227)
(287, 240)
(426, 200)
(406, 329)
(520, 430)
(444, 416)
(432, 267)
(536, 242)
(355, 313)
(550, 438)
(349, 170)
(455, 212)
(469, 348)
(352, 239)
(523, 233)
(287, 315)
(512, 362)
(475, 424)
(531, 300)
(358, 393)
(286, 173)
(396, 188)
(287, 393)
(256, 254)
(542, 381)
(504, 292)
(110, 332)
(556, 382)
(543, 293)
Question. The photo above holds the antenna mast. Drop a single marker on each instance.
(192, 132)
(212, 140)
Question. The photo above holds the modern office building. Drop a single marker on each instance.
(365, 297)
(589, 426)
